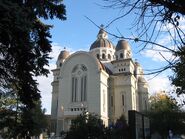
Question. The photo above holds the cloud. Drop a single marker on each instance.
(159, 55)
(159, 83)
(165, 38)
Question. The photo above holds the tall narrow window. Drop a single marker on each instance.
(109, 56)
(73, 91)
(146, 105)
(121, 55)
(76, 90)
(111, 101)
(83, 88)
(104, 99)
(98, 56)
(103, 56)
(79, 85)
(123, 100)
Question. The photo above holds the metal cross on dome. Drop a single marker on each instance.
(101, 26)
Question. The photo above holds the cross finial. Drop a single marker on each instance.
(101, 26)
(64, 48)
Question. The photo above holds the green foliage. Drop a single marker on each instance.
(25, 44)
(24, 54)
(179, 75)
(18, 120)
(86, 126)
(162, 102)
(166, 115)
(33, 121)
(121, 129)
(90, 126)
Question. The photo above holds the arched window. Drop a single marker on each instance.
(146, 108)
(116, 57)
(123, 99)
(122, 96)
(104, 101)
(103, 56)
(79, 83)
(121, 55)
(109, 56)
(111, 101)
(98, 56)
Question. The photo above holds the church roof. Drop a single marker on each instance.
(102, 41)
(123, 44)
(105, 68)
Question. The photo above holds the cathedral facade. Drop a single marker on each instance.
(105, 81)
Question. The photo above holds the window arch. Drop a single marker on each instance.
(123, 99)
(103, 56)
(98, 56)
(121, 55)
(109, 56)
(79, 83)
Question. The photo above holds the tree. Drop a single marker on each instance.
(18, 120)
(33, 121)
(165, 114)
(86, 126)
(25, 44)
(154, 17)
(24, 53)
(120, 129)
(178, 79)
(8, 114)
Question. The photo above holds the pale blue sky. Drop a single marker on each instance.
(78, 33)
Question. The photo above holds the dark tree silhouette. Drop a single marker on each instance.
(25, 44)
(24, 53)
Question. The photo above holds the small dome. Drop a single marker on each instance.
(63, 54)
(137, 64)
(102, 41)
(123, 44)
(141, 80)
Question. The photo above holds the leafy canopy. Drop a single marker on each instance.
(18, 120)
(165, 114)
(25, 44)
(24, 53)
(86, 126)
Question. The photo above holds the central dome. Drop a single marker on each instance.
(102, 41)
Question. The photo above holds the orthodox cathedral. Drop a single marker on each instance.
(105, 81)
